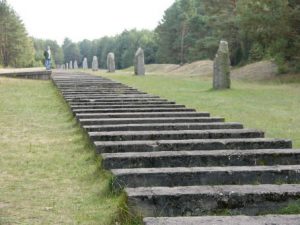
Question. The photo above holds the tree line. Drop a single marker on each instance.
(190, 30)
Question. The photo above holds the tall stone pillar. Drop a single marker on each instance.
(85, 64)
(221, 77)
(139, 62)
(111, 66)
(95, 63)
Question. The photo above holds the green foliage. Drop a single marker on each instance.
(256, 52)
(191, 30)
(41, 45)
(16, 48)
(71, 51)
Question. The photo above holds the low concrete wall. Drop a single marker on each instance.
(37, 75)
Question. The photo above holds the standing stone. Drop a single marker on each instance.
(111, 67)
(75, 65)
(67, 66)
(221, 79)
(85, 64)
(95, 63)
(71, 65)
(139, 62)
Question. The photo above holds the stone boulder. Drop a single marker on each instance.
(95, 63)
(221, 77)
(85, 64)
(75, 65)
(111, 66)
(139, 62)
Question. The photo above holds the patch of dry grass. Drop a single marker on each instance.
(48, 171)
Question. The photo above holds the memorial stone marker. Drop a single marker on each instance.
(95, 63)
(111, 67)
(221, 78)
(85, 64)
(139, 62)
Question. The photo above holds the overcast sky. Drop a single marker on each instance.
(90, 19)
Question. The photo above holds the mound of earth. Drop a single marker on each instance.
(161, 68)
(203, 67)
(256, 71)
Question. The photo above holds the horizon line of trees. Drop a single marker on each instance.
(190, 30)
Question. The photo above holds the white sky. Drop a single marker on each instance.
(90, 19)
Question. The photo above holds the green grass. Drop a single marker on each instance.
(48, 171)
(272, 106)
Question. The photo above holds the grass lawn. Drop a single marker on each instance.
(272, 106)
(48, 171)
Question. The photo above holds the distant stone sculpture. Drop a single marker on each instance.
(75, 65)
(221, 77)
(71, 65)
(111, 66)
(95, 63)
(139, 62)
(85, 64)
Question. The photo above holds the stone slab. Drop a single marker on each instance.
(190, 176)
(201, 158)
(83, 119)
(202, 200)
(194, 144)
(175, 134)
(221, 220)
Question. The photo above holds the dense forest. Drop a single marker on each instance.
(190, 30)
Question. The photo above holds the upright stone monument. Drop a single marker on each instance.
(111, 66)
(85, 64)
(221, 79)
(71, 65)
(139, 62)
(95, 63)
(75, 65)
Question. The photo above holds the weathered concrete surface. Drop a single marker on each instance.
(203, 200)
(27, 74)
(162, 126)
(110, 121)
(190, 176)
(229, 220)
(99, 106)
(201, 158)
(147, 114)
(133, 110)
(195, 144)
(174, 135)
(208, 151)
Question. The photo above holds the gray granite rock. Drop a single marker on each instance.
(221, 77)
(75, 65)
(139, 62)
(111, 67)
(95, 63)
(85, 64)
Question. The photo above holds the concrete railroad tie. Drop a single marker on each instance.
(174, 162)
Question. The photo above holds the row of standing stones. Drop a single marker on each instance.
(179, 166)
(221, 78)
(139, 63)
